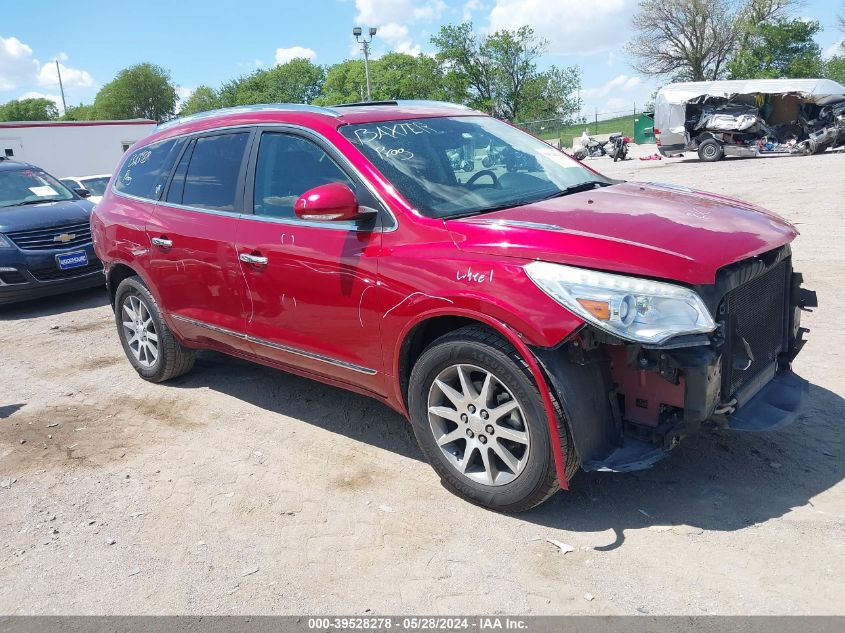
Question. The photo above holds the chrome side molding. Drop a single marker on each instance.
(284, 348)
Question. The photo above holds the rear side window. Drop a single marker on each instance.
(177, 184)
(211, 177)
(145, 171)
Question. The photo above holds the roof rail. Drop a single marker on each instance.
(245, 109)
(404, 102)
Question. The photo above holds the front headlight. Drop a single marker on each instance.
(631, 308)
(4, 242)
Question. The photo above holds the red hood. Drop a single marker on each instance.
(646, 229)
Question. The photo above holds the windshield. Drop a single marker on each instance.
(457, 166)
(27, 186)
(97, 186)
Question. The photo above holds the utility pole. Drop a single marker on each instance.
(61, 87)
(365, 46)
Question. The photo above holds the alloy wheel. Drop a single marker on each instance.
(139, 330)
(478, 425)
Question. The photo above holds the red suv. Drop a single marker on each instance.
(529, 315)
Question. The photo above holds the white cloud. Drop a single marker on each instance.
(40, 95)
(71, 77)
(393, 19)
(17, 65)
(396, 36)
(470, 7)
(570, 26)
(620, 83)
(284, 55)
(378, 12)
(182, 94)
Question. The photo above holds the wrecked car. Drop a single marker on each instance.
(530, 317)
(750, 117)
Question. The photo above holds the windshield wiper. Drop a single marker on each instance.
(578, 188)
(490, 209)
(20, 204)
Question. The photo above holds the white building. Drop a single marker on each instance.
(71, 148)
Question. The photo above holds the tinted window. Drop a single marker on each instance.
(287, 167)
(145, 171)
(177, 184)
(97, 186)
(212, 176)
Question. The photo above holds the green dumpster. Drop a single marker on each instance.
(644, 129)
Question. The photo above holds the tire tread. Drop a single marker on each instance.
(548, 486)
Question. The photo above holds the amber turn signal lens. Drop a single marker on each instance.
(599, 309)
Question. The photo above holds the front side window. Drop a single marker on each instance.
(97, 186)
(30, 186)
(458, 166)
(287, 167)
(211, 177)
(144, 172)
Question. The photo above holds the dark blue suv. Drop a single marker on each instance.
(45, 236)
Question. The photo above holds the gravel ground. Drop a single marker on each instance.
(238, 489)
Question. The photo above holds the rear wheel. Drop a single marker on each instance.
(147, 341)
(820, 148)
(710, 150)
(480, 421)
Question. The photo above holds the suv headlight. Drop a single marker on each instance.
(632, 308)
(4, 242)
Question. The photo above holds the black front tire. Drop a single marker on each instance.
(483, 348)
(173, 359)
(710, 151)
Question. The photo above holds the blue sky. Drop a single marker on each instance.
(211, 42)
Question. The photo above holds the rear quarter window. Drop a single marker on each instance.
(145, 171)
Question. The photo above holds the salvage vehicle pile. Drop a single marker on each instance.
(750, 118)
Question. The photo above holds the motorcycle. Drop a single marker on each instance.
(589, 147)
(618, 146)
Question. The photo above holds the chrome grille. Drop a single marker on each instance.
(66, 236)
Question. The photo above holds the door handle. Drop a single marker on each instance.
(255, 260)
(163, 242)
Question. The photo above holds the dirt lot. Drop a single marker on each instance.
(238, 489)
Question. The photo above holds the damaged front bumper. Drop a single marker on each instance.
(628, 405)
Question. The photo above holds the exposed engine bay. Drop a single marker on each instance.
(768, 123)
(629, 404)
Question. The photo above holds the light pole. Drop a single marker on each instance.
(365, 46)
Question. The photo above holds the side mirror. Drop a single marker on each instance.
(333, 202)
(82, 193)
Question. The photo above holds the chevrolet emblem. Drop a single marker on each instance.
(64, 237)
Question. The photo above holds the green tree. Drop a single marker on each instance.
(345, 83)
(81, 112)
(297, 81)
(465, 62)
(140, 91)
(782, 48)
(393, 76)
(498, 72)
(403, 76)
(202, 99)
(552, 95)
(834, 68)
(695, 40)
(29, 110)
